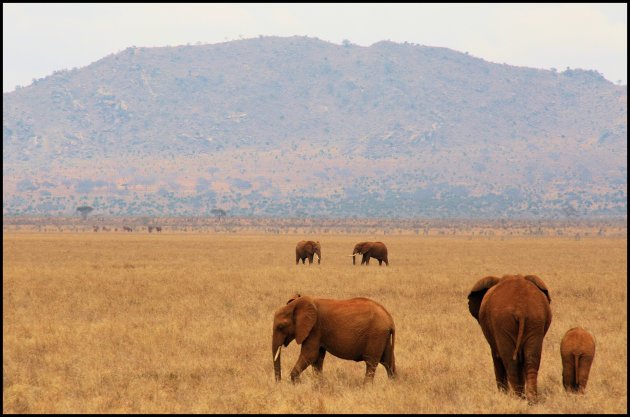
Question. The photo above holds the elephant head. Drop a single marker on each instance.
(359, 249)
(293, 321)
(317, 248)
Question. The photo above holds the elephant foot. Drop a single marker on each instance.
(531, 395)
(368, 380)
(531, 399)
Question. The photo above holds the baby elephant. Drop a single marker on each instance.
(358, 329)
(577, 350)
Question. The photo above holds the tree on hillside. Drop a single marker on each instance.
(84, 210)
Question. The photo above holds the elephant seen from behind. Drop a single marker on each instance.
(357, 329)
(306, 249)
(376, 250)
(514, 314)
(577, 350)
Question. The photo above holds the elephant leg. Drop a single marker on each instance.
(516, 377)
(319, 363)
(370, 369)
(584, 368)
(499, 372)
(533, 352)
(303, 261)
(376, 351)
(297, 259)
(386, 261)
(308, 355)
(568, 373)
(380, 262)
(310, 259)
(531, 388)
(366, 259)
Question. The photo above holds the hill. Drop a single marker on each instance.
(301, 127)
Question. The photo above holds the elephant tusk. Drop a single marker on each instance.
(275, 358)
(349, 255)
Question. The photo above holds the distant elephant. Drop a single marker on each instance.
(376, 250)
(306, 249)
(357, 329)
(514, 314)
(577, 351)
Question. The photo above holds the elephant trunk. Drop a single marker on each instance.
(276, 347)
(318, 253)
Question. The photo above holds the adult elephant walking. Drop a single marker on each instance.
(306, 249)
(514, 315)
(357, 329)
(376, 250)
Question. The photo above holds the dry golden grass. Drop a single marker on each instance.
(174, 323)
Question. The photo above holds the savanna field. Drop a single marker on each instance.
(182, 322)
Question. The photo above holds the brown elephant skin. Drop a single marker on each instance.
(376, 250)
(306, 249)
(357, 329)
(577, 350)
(514, 314)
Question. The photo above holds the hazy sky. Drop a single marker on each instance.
(41, 38)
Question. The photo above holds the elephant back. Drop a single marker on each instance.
(577, 340)
(515, 295)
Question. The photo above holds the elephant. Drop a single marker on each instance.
(577, 350)
(305, 249)
(514, 314)
(357, 329)
(376, 250)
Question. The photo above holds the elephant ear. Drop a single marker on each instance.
(293, 297)
(304, 318)
(540, 284)
(477, 293)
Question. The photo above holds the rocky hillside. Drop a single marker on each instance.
(301, 127)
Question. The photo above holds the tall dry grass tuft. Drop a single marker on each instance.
(179, 323)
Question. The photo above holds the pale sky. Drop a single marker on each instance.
(41, 38)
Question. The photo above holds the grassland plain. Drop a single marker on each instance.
(176, 323)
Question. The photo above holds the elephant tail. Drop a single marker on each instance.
(521, 328)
